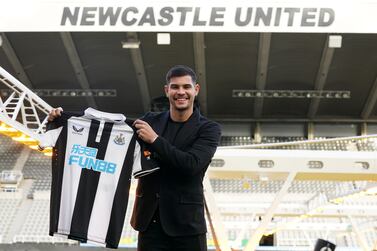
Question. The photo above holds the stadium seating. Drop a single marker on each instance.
(36, 223)
(8, 211)
(9, 152)
(344, 145)
(38, 168)
(36, 226)
(239, 226)
(238, 186)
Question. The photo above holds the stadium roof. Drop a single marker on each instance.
(286, 63)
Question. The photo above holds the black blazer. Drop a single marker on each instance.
(177, 187)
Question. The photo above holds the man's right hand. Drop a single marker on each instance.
(54, 113)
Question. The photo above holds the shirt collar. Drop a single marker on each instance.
(93, 113)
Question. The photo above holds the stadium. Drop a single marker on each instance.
(292, 84)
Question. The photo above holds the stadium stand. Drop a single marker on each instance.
(36, 227)
(37, 218)
(366, 145)
(8, 212)
(235, 140)
(38, 168)
(238, 201)
(9, 152)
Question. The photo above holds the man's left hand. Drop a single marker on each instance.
(145, 131)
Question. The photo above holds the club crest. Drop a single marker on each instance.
(120, 139)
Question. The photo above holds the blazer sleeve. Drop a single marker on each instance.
(194, 159)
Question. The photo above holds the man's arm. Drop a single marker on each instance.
(189, 162)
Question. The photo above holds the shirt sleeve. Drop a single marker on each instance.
(49, 138)
(195, 158)
(143, 163)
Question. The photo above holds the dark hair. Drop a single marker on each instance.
(180, 71)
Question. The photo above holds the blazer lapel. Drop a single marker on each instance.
(160, 125)
(188, 129)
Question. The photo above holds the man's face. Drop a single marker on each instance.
(181, 92)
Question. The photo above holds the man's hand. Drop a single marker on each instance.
(54, 113)
(145, 131)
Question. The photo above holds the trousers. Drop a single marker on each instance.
(155, 239)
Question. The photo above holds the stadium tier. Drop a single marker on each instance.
(8, 212)
(9, 151)
(38, 168)
(308, 211)
(344, 145)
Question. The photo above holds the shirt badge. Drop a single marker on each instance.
(120, 139)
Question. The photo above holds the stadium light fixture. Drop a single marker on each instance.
(25, 139)
(335, 41)
(336, 94)
(8, 131)
(34, 147)
(163, 38)
(131, 44)
(266, 163)
(69, 93)
(5, 128)
(263, 178)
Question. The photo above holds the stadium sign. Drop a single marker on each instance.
(349, 16)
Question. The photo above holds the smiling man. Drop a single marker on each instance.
(169, 206)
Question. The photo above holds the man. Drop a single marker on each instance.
(169, 206)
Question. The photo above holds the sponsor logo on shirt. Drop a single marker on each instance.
(85, 157)
(120, 139)
(77, 130)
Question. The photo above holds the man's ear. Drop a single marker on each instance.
(166, 88)
(197, 89)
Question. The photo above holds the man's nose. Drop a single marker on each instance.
(181, 90)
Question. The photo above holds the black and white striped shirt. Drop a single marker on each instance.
(94, 157)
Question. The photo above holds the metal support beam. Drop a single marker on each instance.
(320, 81)
(258, 233)
(363, 129)
(219, 232)
(137, 60)
(371, 101)
(242, 232)
(262, 68)
(15, 62)
(310, 132)
(257, 133)
(22, 101)
(77, 65)
(200, 67)
(359, 235)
